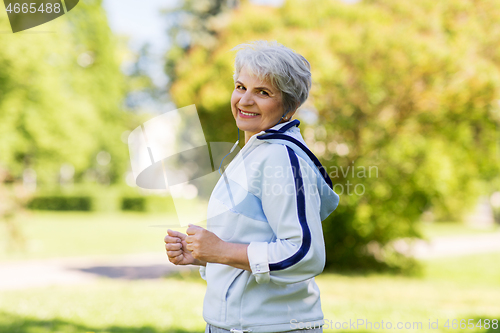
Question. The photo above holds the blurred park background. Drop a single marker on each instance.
(404, 113)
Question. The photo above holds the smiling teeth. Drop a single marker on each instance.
(248, 113)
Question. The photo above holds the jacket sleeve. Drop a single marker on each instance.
(203, 271)
(291, 203)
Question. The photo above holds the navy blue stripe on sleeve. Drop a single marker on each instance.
(301, 212)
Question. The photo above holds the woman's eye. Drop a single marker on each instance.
(263, 92)
(240, 87)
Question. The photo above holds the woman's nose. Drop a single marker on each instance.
(246, 99)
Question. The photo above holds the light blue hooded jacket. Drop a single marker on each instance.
(273, 196)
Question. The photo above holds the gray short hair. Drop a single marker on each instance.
(285, 69)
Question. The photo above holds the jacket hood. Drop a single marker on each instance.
(289, 134)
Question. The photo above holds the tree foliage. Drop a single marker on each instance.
(194, 23)
(409, 89)
(61, 95)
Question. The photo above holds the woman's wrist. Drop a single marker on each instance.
(199, 262)
(233, 254)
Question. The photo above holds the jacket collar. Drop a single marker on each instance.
(283, 127)
(279, 128)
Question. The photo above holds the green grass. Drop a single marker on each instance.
(472, 270)
(108, 306)
(459, 288)
(174, 304)
(63, 234)
(466, 287)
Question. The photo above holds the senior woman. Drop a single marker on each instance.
(264, 243)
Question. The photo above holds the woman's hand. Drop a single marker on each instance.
(176, 246)
(208, 247)
(203, 244)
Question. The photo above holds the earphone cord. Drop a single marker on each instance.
(236, 143)
(232, 149)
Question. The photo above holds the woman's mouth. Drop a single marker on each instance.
(245, 114)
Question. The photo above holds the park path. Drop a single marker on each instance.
(80, 270)
(451, 246)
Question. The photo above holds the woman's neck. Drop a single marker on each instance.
(249, 134)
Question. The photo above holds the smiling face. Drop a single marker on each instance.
(256, 104)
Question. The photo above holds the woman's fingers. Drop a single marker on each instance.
(173, 246)
(173, 249)
(193, 229)
(173, 254)
(176, 234)
(172, 240)
(189, 246)
(176, 260)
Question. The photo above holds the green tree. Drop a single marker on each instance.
(194, 23)
(195, 31)
(407, 98)
(61, 96)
